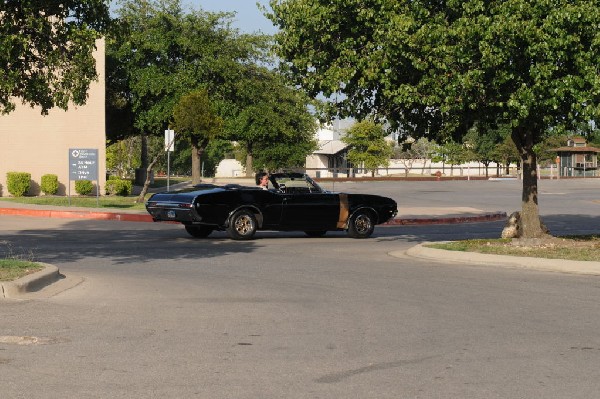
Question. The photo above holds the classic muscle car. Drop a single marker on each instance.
(293, 202)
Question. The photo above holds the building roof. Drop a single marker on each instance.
(576, 149)
(331, 147)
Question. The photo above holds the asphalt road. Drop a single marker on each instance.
(162, 315)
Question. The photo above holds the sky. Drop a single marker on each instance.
(248, 17)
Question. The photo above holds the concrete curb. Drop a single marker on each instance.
(30, 283)
(553, 265)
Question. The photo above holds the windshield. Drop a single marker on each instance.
(297, 184)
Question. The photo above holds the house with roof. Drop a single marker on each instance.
(330, 159)
(577, 159)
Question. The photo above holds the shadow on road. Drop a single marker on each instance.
(123, 243)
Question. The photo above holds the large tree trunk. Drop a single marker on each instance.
(249, 160)
(531, 226)
(198, 147)
(139, 177)
(144, 152)
(140, 199)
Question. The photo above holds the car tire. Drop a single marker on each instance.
(242, 225)
(199, 231)
(361, 224)
(316, 233)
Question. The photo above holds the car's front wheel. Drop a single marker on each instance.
(242, 225)
(361, 224)
(199, 231)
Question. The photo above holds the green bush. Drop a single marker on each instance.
(49, 184)
(115, 186)
(18, 183)
(83, 187)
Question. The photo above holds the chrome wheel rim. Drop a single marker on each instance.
(363, 224)
(244, 225)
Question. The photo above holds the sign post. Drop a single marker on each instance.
(169, 147)
(83, 165)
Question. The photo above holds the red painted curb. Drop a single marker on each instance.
(65, 214)
(488, 217)
(139, 217)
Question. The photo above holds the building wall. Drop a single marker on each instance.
(230, 168)
(38, 144)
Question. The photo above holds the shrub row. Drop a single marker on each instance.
(116, 186)
(19, 183)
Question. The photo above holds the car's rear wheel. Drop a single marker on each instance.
(199, 231)
(361, 224)
(316, 233)
(242, 225)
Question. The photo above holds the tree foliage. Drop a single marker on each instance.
(162, 51)
(367, 147)
(271, 121)
(196, 120)
(438, 67)
(483, 141)
(46, 58)
(409, 152)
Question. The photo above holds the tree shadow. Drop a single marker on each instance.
(125, 242)
(559, 225)
(118, 242)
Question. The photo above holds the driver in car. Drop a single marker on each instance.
(262, 180)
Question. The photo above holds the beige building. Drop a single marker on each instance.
(39, 145)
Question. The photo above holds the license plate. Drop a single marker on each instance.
(171, 214)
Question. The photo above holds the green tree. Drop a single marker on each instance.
(46, 58)
(532, 64)
(271, 121)
(454, 153)
(410, 152)
(122, 157)
(483, 142)
(161, 52)
(196, 120)
(506, 151)
(367, 146)
(544, 150)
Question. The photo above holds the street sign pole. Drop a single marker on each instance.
(169, 146)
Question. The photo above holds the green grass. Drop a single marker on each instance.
(93, 202)
(162, 181)
(583, 248)
(12, 269)
(84, 202)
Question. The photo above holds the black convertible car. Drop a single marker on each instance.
(294, 202)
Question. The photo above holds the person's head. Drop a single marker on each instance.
(262, 179)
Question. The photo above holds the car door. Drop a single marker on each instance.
(310, 211)
(270, 204)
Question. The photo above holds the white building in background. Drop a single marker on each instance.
(230, 168)
(330, 159)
